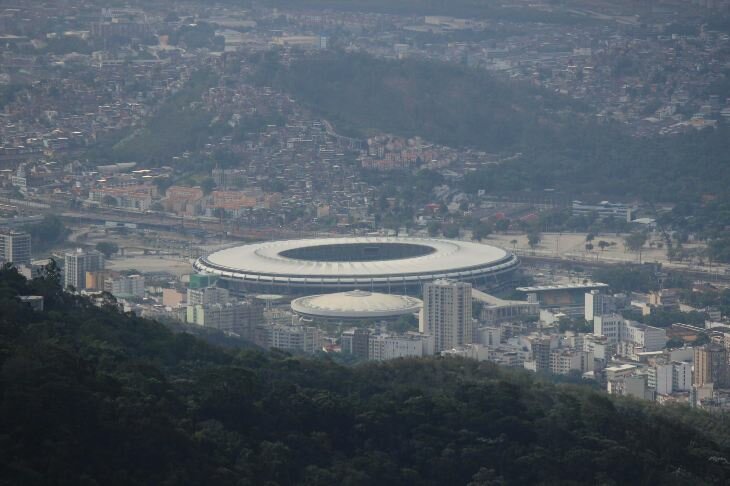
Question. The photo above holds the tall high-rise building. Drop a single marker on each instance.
(15, 247)
(710, 362)
(77, 263)
(447, 313)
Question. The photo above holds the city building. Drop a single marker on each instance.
(77, 263)
(207, 296)
(598, 304)
(609, 326)
(289, 337)
(447, 308)
(568, 299)
(125, 286)
(540, 348)
(563, 361)
(604, 210)
(711, 366)
(494, 310)
(240, 318)
(382, 347)
(15, 247)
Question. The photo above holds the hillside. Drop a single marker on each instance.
(91, 396)
(562, 147)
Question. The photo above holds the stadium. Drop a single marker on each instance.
(376, 264)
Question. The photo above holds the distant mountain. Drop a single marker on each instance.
(562, 146)
(90, 396)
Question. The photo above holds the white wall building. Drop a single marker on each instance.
(383, 347)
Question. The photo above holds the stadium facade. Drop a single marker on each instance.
(399, 265)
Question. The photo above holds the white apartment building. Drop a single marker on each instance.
(447, 313)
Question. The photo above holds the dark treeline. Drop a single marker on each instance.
(91, 396)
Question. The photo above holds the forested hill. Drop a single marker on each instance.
(90, 396)
(562, 146)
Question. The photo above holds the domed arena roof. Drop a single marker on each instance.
(356, 304)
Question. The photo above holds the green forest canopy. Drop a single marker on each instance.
(92, 396)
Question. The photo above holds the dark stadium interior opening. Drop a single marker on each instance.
(358, 252)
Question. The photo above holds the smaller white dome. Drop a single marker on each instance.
(356, 304)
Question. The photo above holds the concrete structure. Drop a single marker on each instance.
(447, 313)
(355, 305)
(384, 264)
(77, 263)
(15, 247)
(495, 310)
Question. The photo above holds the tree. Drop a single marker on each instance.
(602, 244)
(502, 224)
(481, 231)
(434, 227)
(109, 201)
(635, 241)
(108, 248)
(533, 239)
(49, 232)
(590, 237)
(589, 247)
(207, 185)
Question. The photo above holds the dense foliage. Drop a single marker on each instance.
(47, 233)
(457, 106)
(90, 396)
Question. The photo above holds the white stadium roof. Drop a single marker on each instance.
(273, 262)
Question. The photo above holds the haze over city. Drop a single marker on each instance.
(364, 242)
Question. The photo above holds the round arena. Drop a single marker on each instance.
(355, 306)
(382, 264)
